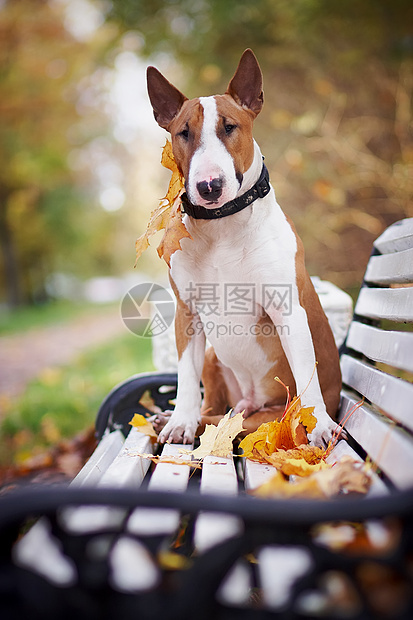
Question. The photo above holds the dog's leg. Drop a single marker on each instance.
(190, 341)
(297, 343)
(216, 397)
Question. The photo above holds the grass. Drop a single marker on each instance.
(63, 401)
(42, 315)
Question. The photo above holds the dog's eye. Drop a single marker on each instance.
(185, 133)
(229, 128)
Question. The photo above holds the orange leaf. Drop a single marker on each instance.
(301, 461)
(279, 486)
(174, 231)
(167, 216)
(284, 434)
(347, 476)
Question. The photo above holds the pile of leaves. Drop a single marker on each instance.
(300, 470)
(167, 216)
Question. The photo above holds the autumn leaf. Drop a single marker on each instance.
(174, 231)
(280, 486)
(171, 459)
(285, 434)
(347, 476)
(217, 440)
(167, 216)
(170, 560)
(301, 461)
(284, 445)
(143, 425)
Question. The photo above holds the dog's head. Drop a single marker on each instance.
(211, 136)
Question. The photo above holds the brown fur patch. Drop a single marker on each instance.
(183, 321)
(239, 143)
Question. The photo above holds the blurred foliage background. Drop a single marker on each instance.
(80, 159)
(79, 152)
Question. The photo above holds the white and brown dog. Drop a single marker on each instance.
(241, 281)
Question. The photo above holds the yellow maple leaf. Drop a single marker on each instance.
(284, 444)
(167, 216)
(285, 434)
(301, 461)
(143, 426)
(217, 440)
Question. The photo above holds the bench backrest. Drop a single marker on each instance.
(377, 358)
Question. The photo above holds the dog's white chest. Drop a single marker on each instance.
(227, 279)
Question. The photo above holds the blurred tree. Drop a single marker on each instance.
(41, 202)
(338, 131)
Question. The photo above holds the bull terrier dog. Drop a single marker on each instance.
(241, 281)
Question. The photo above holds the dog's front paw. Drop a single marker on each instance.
(324, 430)
(179, 429)
(160, 420)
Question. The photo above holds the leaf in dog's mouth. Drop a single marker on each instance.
(167, 216)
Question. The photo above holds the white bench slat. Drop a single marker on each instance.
(389, 393)
(100, 460)
(382, 441)
(132, 568)
(128, 469)
(394, 304)
(41, 552)
(166, 477)
(236, 587)
(396, 238)
(387, 347)
(219, 477)
(256, 474)
(390, 268)
(279, 568)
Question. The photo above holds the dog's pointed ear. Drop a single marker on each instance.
(246, 85)
(166, 100)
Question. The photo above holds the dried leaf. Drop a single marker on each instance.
(174, 231)
(168, 215)
(172, 459)
(217, 440)
(285, 434)
(301, 461)
(347, 476)
(169, 560)
(143, 425)
(279, 486)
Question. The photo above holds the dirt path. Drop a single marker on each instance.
(24, 356)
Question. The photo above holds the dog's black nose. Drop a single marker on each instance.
(210, 190)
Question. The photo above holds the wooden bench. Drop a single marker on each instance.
(128, 539)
